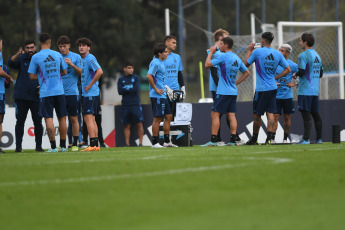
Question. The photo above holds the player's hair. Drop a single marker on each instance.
(168, 38)
(220, 33)
(84, 41)
(268, 36)
(29, 41)
(309, 38)
(64, 39)
(228, 41)
(287, 47)
(44, 37)
(127, 63)
(158, 48)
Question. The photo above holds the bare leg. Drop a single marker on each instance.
(155, 126)
(270, 122)
(276, 119)
(233, 122)
(257, 123)
(140, 132)
(215, 122)
(287, 123)
(62, 128)
(91, 125)
(127, 133)
(166, 124)
(75, 125)
(50, 128)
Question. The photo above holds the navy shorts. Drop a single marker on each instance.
(90, 105)
(264, 102)
(160, 107)
(131, 114)
(72, 105)
(286, 105)
(47, 105)
(2, 107)
(224, 104)
(308, 103)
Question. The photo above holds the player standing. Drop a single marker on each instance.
(131, 112)
(70, 84)
(266, 62)
(91, 73)
(284, 97)
(160, 105)
(228, 64)
(173, 74)
(50, 67)
(309, 72)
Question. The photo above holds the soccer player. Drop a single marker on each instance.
(91, 73)
(309, 72)
(70, 85)
(50, 67)
(26, 95)
(4, 77)
(173, 74)
(160, 105)
(128, 86)
(284, 99)
(266, 62)
(228, 64)
(213, 81)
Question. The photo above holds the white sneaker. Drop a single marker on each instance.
(284, 141)
(221, 143)
(273, 141)
(170, 144)
(157, 145)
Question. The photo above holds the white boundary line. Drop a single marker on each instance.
(143, 174)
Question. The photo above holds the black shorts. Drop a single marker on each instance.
(285, 105)
(225, 104)
(264, 101)
(308, 103)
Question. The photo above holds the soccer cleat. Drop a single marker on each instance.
(284, 141)
(39, 149)
(209, 144)
(75, 148)
(304, 142)
(52, 150)
(273, 141)
(89, 149)
(98, 148)
(231, 144)
(252, 142)
(221, 143)
(62, 149)
(318, 141)
(269, 142)
(240, 142)
(19, 150)
(157, 145)
(170, 144)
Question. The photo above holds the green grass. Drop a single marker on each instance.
(244, 187)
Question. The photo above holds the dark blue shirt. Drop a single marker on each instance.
(128, 87)
(24, 88)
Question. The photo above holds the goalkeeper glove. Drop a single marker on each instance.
(170, 93)
(183, 89)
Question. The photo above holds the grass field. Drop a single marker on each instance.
(281, 187)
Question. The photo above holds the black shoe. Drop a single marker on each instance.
(39, 149)
(19, 150)
(1, 151)
(252, 142)
(268, 142)
(140, 145)
(70, 146)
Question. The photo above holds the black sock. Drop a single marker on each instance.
(62, 143)
(96, 141)
(285, 136)
(166, 138)
(233, 138)
(75, 140)
(269, 136)
(274, 136)
(307, 124)
(92, 142)
(255, 136)
(154, 140)
(214, 138)
(237, 137)
(53, 144)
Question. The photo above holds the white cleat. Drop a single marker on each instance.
(284, 141)
(170, 144)
(221, 143)
(157, 145)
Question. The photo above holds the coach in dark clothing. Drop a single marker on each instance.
(26, 95)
